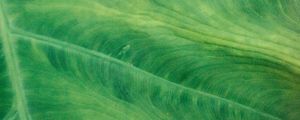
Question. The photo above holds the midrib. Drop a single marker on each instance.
(13, 67)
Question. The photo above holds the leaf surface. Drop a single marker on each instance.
(150, 59)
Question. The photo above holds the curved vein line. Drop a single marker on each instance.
(13, 67)
(183, 28)
(62, 45)
(225, 40)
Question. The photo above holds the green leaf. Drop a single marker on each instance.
(150, 59)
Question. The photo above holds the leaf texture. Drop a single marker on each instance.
(150, 60)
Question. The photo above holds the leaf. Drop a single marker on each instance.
(150, 59)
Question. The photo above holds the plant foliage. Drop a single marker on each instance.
(150, 59)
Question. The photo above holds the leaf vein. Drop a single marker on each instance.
(61, 45)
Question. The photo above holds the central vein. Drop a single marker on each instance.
(13, 68)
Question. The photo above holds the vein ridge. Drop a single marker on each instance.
(61, 45)
(13, 67)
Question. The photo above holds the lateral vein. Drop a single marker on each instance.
(61, 45)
